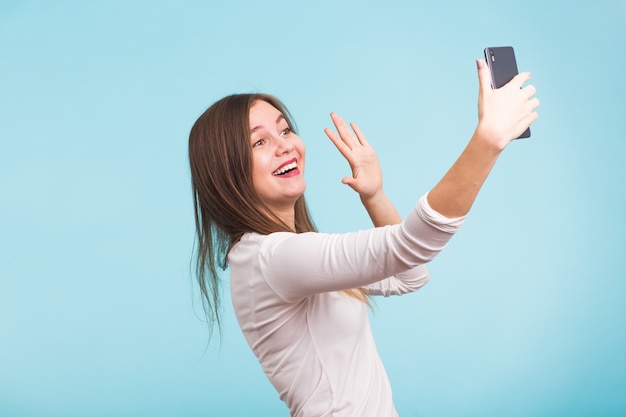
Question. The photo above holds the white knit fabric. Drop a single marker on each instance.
(313, 341)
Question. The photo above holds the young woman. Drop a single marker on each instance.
(300, 296)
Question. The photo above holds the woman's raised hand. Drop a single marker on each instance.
(367, 178)
(506, 112)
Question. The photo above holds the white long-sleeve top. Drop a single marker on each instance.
(313, 341)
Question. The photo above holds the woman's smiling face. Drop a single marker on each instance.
(277, 159)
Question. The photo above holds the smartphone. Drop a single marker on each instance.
(503, 67)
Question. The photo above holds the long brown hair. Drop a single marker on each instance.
(226, 204)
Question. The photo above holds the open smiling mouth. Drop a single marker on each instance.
(285, 169)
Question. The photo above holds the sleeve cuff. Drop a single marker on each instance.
(437, 220)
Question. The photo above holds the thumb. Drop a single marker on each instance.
(484, 76)
(350, 181)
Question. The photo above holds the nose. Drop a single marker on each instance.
(284, 146)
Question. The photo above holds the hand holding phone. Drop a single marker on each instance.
(503, 67)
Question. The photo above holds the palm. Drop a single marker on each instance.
(366, 176)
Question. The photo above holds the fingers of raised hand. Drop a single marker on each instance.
(359, 134)
(346, 134)
(336, 141)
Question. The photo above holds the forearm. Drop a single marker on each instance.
(381, 210)
(454, 195)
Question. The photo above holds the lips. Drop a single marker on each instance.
(287, 167)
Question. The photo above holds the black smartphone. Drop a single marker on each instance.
(503, 67)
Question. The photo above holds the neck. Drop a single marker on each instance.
(288, 217)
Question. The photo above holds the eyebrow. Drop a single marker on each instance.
(278, 119)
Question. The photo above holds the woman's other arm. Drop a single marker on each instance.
(367, 178)
(367, 181)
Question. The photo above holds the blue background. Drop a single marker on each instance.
(525, 313)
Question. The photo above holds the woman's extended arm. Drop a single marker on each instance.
(338, 262)
(503, 114)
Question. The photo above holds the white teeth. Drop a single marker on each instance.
(286, 168)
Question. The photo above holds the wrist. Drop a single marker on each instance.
(373, 199)
(488, 138)
(380, 209)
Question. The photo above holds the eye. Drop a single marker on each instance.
(259, 142)
(285, 131)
